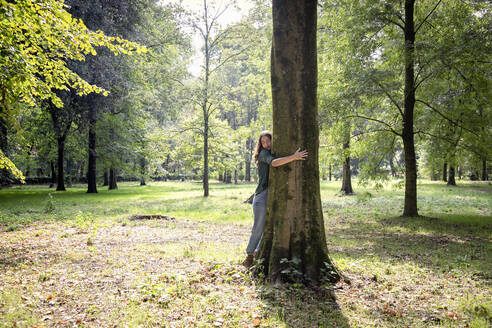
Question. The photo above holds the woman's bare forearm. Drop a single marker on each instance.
(297, 156)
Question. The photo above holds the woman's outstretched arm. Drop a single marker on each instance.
(299, 155)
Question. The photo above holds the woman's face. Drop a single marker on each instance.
(266, 142)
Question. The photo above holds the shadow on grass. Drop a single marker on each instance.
(300, 307)
(464, 226)
(441, 244)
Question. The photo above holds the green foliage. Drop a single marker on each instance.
(6, 164)
(36, 39)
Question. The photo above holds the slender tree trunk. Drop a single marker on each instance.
(329, 170)
(485, 176)
(112, 179)
(294, 234)
(205, 104)
(105, 178)
(247, 161)
(60, 186)
(346, 175)
(445, 172)
(235, 176)
(142, 170)
(410, 206)
(460, 172)
(28, 169)
(451, 180)
(205, 152)
(53, 174)
(91, 171)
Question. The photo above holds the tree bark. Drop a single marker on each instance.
(346, 176)
(205, 151)
(451, 180)
(485, 176)
(247, 160)
(142, 171)
(105, 178)
(112, 179)
(410, 206)
(91, 171)
(294, 235)
(445, 172)
(61, 124)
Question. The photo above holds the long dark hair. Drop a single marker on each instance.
(259, 147)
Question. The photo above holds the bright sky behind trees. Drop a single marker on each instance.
(232, 15)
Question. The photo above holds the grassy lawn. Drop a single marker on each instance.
(71, 259)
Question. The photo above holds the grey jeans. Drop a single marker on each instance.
(259, 212)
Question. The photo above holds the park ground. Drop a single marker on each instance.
(71, 259)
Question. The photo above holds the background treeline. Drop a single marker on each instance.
(397, 97)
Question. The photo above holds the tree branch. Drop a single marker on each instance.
(452, 142)
(389, 96)
(229, 58)
(370, 131)
(445, 117)
(376, 120)
(427, 17)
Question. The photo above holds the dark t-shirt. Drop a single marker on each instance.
(264, 161)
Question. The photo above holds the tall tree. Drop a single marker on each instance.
(207, 25)
(294, 232)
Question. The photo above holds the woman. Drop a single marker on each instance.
(263, 160)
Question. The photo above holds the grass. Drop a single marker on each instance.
(74, 259)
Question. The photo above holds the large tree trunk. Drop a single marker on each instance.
(410, 207)
(60, 186)
(346, 176)
(294, 235)
(91, 171)
(445, 172)
(451, 180)
(112, 179)
(485, 176)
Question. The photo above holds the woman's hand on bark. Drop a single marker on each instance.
(300, 155)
